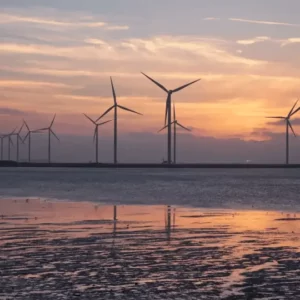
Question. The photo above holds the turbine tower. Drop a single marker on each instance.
(50, 131)
(168, 109)
(17, 134)
(175, 123)
(96, 135)
(28, 135)
(288, 126)
(115, 107)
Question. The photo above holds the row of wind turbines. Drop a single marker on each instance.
(168, 124)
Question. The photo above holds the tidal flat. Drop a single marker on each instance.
(84, 250)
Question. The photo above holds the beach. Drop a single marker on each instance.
(76, 250)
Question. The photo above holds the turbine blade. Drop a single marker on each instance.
(104, 122)
(54, 134)
(167, 108)
(295, 111)
(165, 127)
(90, 119)
(21, 128)
(157, 83)
(106, 112)
(26, 136)
(52, 121)
(186, 85)
(183, 126)
(130, 110)
(290, 125)
(13, 131)
(275, 117)
(113, 91)
(291, 111)
(26, 125)
(10, 141)
(162, 129)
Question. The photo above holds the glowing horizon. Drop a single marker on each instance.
(55, 60)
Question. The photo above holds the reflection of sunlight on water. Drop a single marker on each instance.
(200, 249)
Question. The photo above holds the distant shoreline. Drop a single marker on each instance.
(148, 165)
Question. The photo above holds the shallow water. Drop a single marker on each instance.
(220, 188)
(74, 250)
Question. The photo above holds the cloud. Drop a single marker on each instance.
(29, 84)
(10, 111)
(254, 40)
(159, 48)
(49, 19)
(211, 19)
(117, 27)
(263, 22)
(290, 41)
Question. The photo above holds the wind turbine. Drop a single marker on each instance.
(50, 131)
(168, 109)
(17, 134)
(115, 107)
(288, 126)
(28, 135)
(175, 124)
(96, 134)
(10, 142)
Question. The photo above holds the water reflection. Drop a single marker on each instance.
(169, 251)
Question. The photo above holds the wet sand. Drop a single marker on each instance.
(75, 250)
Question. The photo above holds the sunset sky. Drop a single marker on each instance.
(57, 56)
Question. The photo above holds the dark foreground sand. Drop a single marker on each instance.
(67, 250)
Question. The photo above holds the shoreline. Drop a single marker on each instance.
(16, 164)
(205, 209)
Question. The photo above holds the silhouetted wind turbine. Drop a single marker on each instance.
(17, 134)
(168, 109)
(50, 131)
(288, 125)
(115, 107)
(96, 134)
(175, 124)
(28, 135)
(10, 142)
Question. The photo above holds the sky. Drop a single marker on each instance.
(57, 57)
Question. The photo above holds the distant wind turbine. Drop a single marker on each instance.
(10, 142)
(28, 135)
(50, 131)
(175, 124)
(288, 126)
(115, 107)
(168, 109)
(17, 134)
(96, 135)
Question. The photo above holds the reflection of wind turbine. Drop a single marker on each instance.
(115, 107)
(50, 131)
(28, 135)
(96, 134)
(168, 109)
(288, 126)
(175, 124)
(17, 134)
